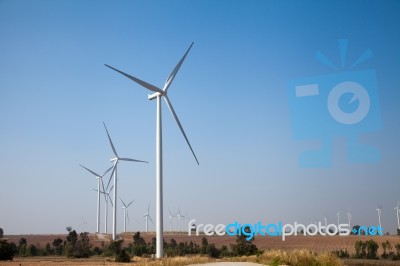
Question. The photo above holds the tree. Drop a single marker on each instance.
(204, 245)
(7, 250)
(212, 251)
(372, 249)
(1, 233)
(360, 248)
(77, 248)
(22, 244)
(244, 246)
(31, 250)
(398, 231)
(58, 246)
(122, 257)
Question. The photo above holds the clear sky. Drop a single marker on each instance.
(231, 96)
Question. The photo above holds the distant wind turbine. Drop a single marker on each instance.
(171, 216)
(99, 179)
(125, 208)
(397, 208)
(379, 210)
(147, 217)
(326, 223)
(338, 218)
(349, 218)
(115, 160)
(158, 94)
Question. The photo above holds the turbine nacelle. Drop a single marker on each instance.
(155, 95)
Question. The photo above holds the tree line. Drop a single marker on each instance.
(78, 246)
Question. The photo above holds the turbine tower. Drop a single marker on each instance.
(99, 178)
(107, 198)
(147, 217)
(115, 160)
(397, 208)
(158, 94)
(171, 216)
(125, 208)
(338, 218)
(326, 223)
(379, 210)
(349, 218)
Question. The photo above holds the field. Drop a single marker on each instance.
(318, 244)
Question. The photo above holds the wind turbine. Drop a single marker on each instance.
(170, 216)
(125, 208)
(115, 160)
(397, 208)
(326, 223)
(158, 94)
(349, 218)
(179, 218)
(107, 198)
(338, 218)
(379, 210)
(99, 178)
(147, 217)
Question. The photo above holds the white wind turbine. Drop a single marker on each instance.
(349, 218)
(114, 175)
(338, 218)
(326, 223)
(125, 208)
(397, 208)
(379, 210)
(171, 216)
(158, 94)
(147, 217)
(99, 178)
(107, 198)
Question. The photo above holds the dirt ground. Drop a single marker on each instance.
(313, 243)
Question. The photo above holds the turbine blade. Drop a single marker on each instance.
(122, 202)
(151, 219)
(111, 176)
(109, 138)
(175, 71)
(171, 109)
(138, 81)
(110, 200)
(90, 171)
(108, 170)
(132, 160)
(130, 203)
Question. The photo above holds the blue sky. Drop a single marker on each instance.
(231, 96)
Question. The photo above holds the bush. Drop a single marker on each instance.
(212, 251)
(122, 257)
(372, 249)
(341, 253)
(7, 251)
(1, 233)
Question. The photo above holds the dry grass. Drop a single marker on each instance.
(300, 257)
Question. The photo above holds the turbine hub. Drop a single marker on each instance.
(154, 95)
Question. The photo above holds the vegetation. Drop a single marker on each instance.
(78, 246)
(1, 233)
(298, 257)
(7, 250)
